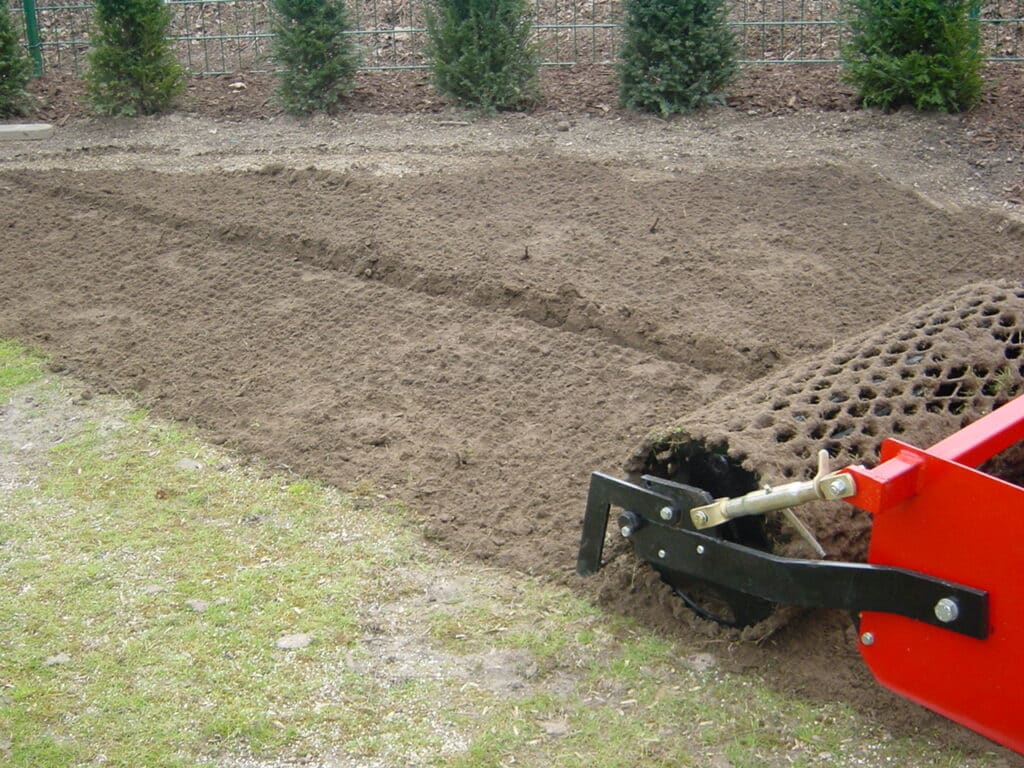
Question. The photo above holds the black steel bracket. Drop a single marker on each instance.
(659, 539)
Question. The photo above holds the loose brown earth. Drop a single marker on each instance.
(477, 313)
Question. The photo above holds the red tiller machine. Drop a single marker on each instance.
(939, 602)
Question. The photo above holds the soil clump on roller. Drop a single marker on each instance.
(477, 336)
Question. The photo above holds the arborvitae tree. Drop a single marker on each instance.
(919, 52)
(15, 69)
(132, 69)
(482, 53)
(318, 60)
(676, 56)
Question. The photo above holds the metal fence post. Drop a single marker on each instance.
(35, 45)
(974, 16)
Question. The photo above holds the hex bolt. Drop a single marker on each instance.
(837, 486)
(867, 638)
(662, 553)
(700, 549)
(947, 610)
(702, 517)
(626, 531)
(668, 514)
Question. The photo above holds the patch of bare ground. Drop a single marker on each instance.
(477, 312)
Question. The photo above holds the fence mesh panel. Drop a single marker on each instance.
(221, 36)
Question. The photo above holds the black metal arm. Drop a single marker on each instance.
(676, 550)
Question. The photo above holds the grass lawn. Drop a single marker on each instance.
(166, 603)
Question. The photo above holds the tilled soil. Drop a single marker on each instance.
(479, 332)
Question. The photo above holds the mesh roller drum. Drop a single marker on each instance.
(918, 378)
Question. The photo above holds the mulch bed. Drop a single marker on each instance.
(997, 123)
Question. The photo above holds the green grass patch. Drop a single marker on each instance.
(145, 588)
(18, 366)
(146, 579)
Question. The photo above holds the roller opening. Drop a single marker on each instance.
(713, 469)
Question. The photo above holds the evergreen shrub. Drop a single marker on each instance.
(318, 60)
(482, 53)
(132, 68)
(15, 69)
(676, 55)
(919, 52)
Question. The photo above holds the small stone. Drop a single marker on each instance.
(701, 662)
(199, 606)
(563, 126)
(555, 728)
(189, 465)
(56, 659)
(294, 642)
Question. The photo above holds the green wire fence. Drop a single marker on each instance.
(223, 36)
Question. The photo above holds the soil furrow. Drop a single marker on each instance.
(563, 309)
(462, 236)
(452, 407)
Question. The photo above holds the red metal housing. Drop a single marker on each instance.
(934, 512)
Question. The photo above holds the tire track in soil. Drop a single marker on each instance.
(219, 306)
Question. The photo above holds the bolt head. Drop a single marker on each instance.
(702, 517)
(837, 486)
(662, 553)
(629, 523)
(947, 610)
(867, 638)
(700, 549)
(667, 513)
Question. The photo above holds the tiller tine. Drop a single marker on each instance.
(940, 601)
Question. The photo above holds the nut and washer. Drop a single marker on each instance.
(947, 610)
(701, 516)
